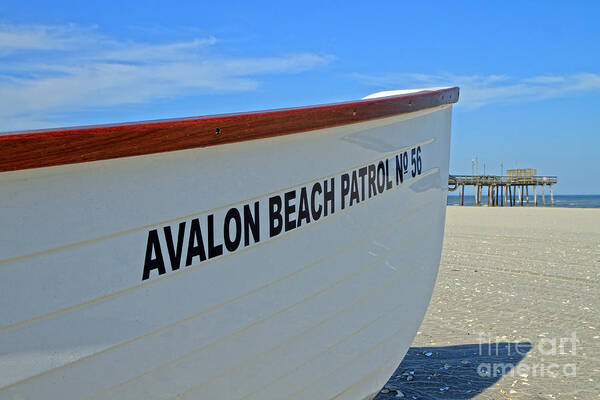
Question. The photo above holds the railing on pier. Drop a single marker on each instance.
(502, 190)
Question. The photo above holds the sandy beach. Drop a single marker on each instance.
(515, 312)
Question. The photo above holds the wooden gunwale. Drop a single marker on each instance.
(51, 147)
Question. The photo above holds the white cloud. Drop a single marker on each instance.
(545, 79)
(480, 90)
(45, 69)
(41, 37)
(138, 53)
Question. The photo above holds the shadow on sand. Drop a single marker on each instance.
(453, 372)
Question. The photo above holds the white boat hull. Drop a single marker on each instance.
(324, 310)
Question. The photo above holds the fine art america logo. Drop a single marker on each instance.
(553, 348)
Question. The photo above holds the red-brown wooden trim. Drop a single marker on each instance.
(43, 148)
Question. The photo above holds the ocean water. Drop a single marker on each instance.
(561, 200)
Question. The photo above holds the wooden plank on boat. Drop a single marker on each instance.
(44, 148)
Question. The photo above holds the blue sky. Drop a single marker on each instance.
(529, 72)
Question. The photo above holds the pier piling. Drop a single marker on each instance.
(543, 195)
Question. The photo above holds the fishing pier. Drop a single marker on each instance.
(509, 190)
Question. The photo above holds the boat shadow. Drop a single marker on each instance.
(453, 372)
